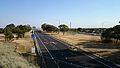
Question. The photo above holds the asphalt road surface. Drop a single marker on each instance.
(54, 53)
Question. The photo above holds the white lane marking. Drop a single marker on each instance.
(83, 53)
(53, 43)
(48, 51)
(60, 41)
(40, 52)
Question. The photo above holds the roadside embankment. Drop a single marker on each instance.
(17, 54)
(10, 59)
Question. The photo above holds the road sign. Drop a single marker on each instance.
(33, 50)
(33, 36)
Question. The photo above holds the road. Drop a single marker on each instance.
(54, 53)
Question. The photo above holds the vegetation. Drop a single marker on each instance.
(52, 28)
(8, 34)
(63, 28)
(10, 59)
(107, 35)
(21, 29)
(1, 30)
(49, 28)
(111, 33)
(11, 29)
(79, 29)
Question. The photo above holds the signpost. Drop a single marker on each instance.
(33, 49)
(33, 36)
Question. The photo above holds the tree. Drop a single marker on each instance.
(1, 30)
(10, 27)
(49, 28)
(22, 29)
(119, 22)
(18, 32)
(116, 31)
(63, 28)
(79, 29)
(8, 34)
(107, 35)
(28, 27)
(43, 26)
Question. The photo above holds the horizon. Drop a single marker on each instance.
(81, 13)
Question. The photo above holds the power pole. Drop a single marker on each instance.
(70, 24)
(58, 27)
(102, 28)
(59, 22)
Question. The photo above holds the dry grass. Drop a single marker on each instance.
(76, 38)
(91, 44)
(24, 44)
(2, 37)
(11, 59)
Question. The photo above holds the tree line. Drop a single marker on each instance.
(18, 30)
(107, 35)
(51, 28)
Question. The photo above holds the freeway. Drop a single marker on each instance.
(54, 53)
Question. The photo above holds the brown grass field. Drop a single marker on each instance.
(23, 44)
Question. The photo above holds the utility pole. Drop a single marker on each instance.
(102, 28)
(58, 27)
(70, 24)
(59, 22)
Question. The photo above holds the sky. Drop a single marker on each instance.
(81, 13)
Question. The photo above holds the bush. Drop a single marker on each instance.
(111, 33)
(1, 30)
(8, 34)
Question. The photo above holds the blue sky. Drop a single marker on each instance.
(81, 13)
